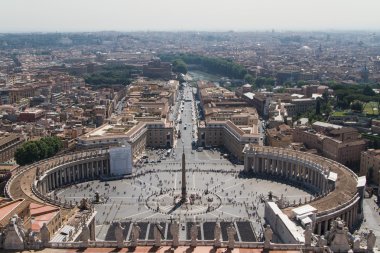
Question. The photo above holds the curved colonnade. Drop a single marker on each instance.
(59, 171)
(334, 184)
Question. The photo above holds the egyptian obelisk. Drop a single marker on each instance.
(183, 189)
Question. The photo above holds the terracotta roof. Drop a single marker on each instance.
(37, 209)
(9, 207)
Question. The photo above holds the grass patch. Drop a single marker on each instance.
(371, 108)
(339, 113)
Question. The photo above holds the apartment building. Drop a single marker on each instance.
(280, 136)
(142, 123)
(342, 144)
(228, 135)
(158, 69)
(9, 142)
(370, 166)
(375, 126)
(231, 127)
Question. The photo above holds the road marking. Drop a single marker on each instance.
(193, 181)
(147, 217)
(214, 215)
(228, 213)
(124, 182)
(147, 185)
(175, 181)
(137, 214)
(218, 183)
(236, 184)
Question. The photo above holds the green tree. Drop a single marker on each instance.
(32, 151)
(249, 79)
(215, 65)
(301, 83)
(357, 106)
(179, 66)
(318, 107)
(368, 91)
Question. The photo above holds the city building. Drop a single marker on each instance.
(375, 126)
(158, 69)
(280, 136)
(31, 115)
(370, 166)
(155, 134)
(341, 144)
(9, 142)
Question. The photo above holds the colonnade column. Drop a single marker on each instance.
(319, 228)
(48, 180)
(326, 225)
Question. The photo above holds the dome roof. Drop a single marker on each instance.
(305, 48)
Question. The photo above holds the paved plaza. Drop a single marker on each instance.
(150, 196)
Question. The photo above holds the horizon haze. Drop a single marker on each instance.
(170, 15)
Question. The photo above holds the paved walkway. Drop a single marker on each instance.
(371, 218)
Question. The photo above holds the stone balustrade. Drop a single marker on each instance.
(186, 243)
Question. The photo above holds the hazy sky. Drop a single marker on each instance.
(215, 15)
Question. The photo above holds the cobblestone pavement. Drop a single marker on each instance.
(126, 199)
(371, 218)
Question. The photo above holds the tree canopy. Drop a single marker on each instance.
(347, 94)
(33, 151)
(214, 65)
(110, 75)
(179, 66)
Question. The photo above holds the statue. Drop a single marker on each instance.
(371, 240)
(85, 236)
(174, 230)
(307, 234)
(45, 235)
(329, 234)
(135, 234)
(31, 237)
(84, 205)
(356, 242)
(268, 235)
(157, 232)
(14, 234)
(194, 235)
(339, 237)
(119, 235)
(321, 241)
(217, 235)
(231, 232)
